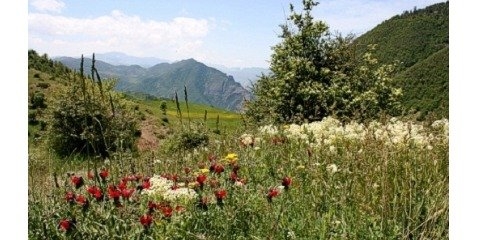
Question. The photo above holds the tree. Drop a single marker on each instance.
(315, 74)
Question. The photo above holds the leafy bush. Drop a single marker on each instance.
(37, 100)
(89, 118)
(315, 74)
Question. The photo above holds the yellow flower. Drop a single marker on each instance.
(300, 167)
(204, 170)
(231, 157)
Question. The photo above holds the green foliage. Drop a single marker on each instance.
(45, 64)
(315, 74)
(37, 100)
(90, 120)
(419, 40)
(426, 85)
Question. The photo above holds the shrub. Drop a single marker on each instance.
(88, 118)
(37, 100)
(315, 74)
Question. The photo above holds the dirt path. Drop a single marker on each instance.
(151, 135)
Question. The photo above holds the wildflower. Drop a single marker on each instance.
(82, 201)
(246, 140)
(286, 182)
(114, 192)
(167, 210)
(273, 192)
(104, 174)
(204, 170)
(201, 179)
(96, 192)
(220, 194)
(70, 197)
(66, 225)
(217, 168)
(146, 184)
(231, 158)
(187, 170)
(146, 220)
(332, 168)
(77, 181)
(122, 185)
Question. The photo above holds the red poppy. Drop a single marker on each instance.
(95, 192)
(81, 200)
(104, 174)
(126, 193)
(220, 194)
(273, 192)
(77, 181)
(70, 197)
(146, 183)
(167, 211)
(201, 179)
(66, 225)
(286, 182)
(146, 220)
(218, 168)
(122, 185)
(114, 192)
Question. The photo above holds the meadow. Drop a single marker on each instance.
(387, 179)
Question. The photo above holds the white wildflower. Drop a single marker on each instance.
(332, 168)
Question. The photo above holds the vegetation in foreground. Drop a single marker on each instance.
(330, 179)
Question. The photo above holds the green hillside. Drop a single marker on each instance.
(418, 41)
(426, 84)
(46, 75)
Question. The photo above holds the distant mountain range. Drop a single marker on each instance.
(246, 76)
(204, 84)
(118, 58)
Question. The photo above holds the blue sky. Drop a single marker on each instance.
(231, 33)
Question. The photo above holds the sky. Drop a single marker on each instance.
(234, 33)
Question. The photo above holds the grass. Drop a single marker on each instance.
(377, 191)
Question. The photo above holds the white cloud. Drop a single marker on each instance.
(48, 5)
(68, 36)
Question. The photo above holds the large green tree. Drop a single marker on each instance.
(315, 74)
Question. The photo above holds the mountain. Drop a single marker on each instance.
(204, 84)
(118, 58)
(245, 76)
(419, 41)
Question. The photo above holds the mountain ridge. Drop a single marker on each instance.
(204, 84)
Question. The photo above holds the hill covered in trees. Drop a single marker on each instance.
(418, 40)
